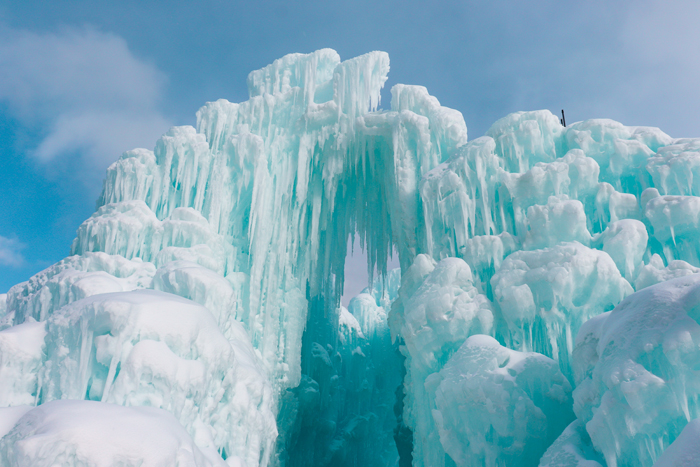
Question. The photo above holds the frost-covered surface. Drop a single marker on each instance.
(78, 433)
(343, 412)
(21, 357)
(685, 450)
(572, 449)
(208, 281)
(636, 372)
(75, 278)
(514, 404)
(156, 349)
(655, 272)
(546, 295)
(146, 348)
(438, 307)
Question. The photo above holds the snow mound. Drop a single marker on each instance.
(79, 433)
(636, 372)
(514, 404)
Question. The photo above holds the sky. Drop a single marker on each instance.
(83, 81)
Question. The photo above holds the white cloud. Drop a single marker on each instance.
(10, 252)
(356, 276)
(94, 97)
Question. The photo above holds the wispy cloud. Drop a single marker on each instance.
(91, 96)
(10, 252)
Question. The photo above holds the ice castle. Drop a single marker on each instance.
(546, 311)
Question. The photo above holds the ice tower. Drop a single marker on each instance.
(201, 301)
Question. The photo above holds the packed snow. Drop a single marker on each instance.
(77, 432)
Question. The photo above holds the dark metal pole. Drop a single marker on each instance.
(562, 120)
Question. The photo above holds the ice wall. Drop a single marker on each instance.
(249, 215)
(515, 404)
(207, 285)
(344, 410)
(275, 185)
(558, 226)
(437, 309)
(637, 384)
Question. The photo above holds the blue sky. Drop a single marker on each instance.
(82, 81)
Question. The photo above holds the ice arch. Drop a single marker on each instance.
(527, 235)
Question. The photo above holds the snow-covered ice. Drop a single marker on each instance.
(544, 312)
(514, 404)
(75, 432)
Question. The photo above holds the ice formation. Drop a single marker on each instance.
(545, 311)
(636, 372)
(515, 404)
(685, 450)
(75, 432)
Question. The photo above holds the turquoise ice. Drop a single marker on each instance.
(544, 309)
